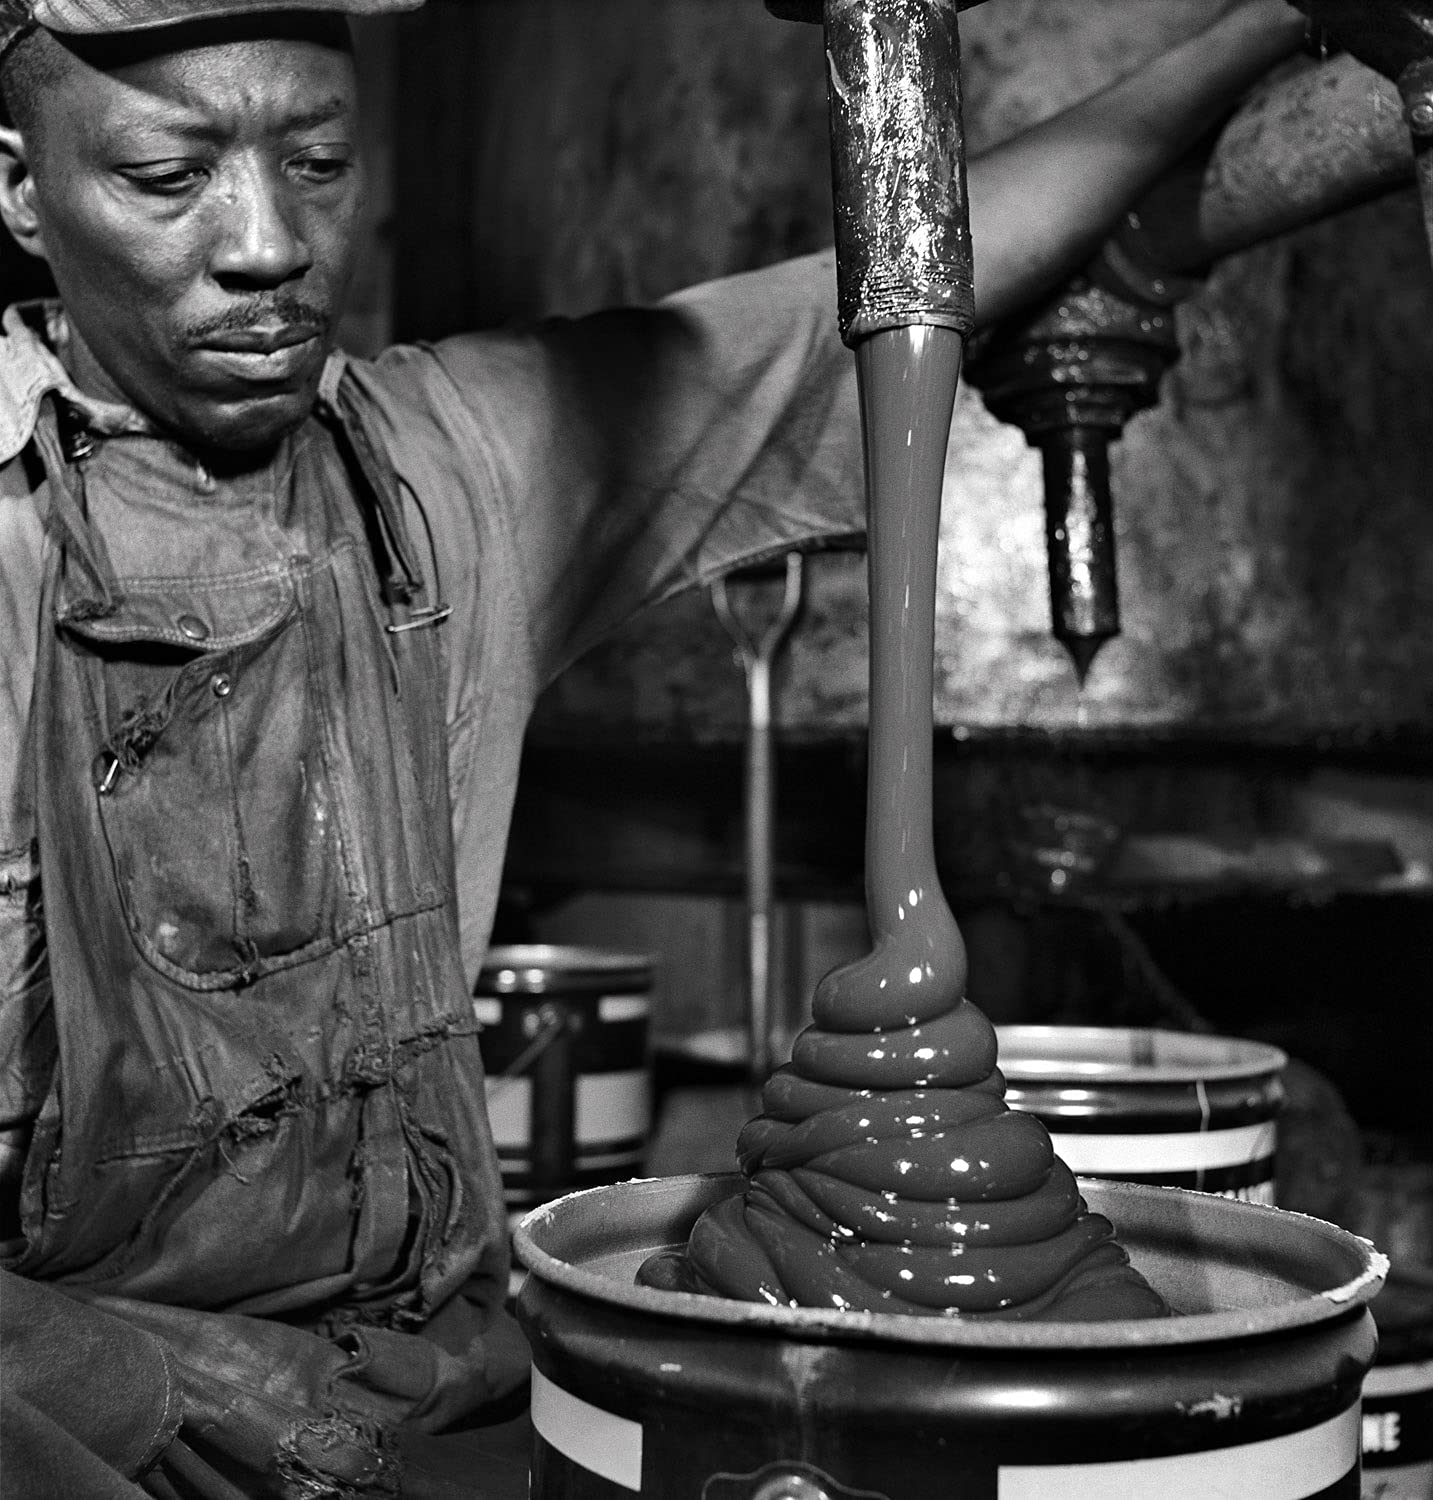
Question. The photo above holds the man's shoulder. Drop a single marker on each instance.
(451, 401)
(29, 369)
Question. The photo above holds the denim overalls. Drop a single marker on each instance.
(269, 1098)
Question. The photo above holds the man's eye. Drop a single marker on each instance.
(321, 167)
(167, 181)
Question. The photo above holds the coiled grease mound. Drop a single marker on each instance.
(886, 1171)
(888, 1174)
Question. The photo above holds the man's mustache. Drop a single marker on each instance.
(260, 312)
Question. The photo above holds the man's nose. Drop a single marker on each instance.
(260, 242)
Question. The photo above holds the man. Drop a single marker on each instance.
(273, 622)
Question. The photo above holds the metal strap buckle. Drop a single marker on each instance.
(106, 772)
(421, 619)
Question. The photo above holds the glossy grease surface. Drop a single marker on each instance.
(886, 1171)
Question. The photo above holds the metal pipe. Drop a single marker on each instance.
(903, 252)
(1301, 147)
(812, 10)
(758, 649)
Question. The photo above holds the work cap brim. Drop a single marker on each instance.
(105, 17)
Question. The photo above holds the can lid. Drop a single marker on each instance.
(547, 968)
(1127, 1054)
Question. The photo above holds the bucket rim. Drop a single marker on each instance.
(680, 1200)
(1131, 1055)
(529, 968)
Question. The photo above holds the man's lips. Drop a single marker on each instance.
(267, 339)
(276, 354)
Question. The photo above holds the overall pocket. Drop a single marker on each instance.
(215, 793)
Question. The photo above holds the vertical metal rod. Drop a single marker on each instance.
(1080, 541)
(758, 651)
(760, 859)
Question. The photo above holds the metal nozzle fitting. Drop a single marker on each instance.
(903, 250)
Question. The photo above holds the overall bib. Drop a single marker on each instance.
(266, 1137)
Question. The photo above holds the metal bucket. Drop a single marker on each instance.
(564, 1044)
(1398, 1416)
(1137, 1105)
(1252, 1391)
(1395, 1204)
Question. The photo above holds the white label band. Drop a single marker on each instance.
(1292, 1467)
(1172, 1151)
(613, 1106)
(607, 1107)
(612, 1008)
(1284, 1468)
(599, 1441)
(1399, 1380)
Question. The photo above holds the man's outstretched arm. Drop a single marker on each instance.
(633, 453)
(1042, 202)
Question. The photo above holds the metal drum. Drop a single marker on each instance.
(1253, 1390)
(564, 1044)
(1395, 1207)
(1398, 1412)
(1138, 1105)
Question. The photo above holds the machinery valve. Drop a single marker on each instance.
(1070, 375)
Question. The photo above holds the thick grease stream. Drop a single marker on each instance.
(886, 1171)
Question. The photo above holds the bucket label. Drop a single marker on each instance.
(598, 1441)
(1318, 1464)
(584, 1452)
(1218, 1161)
(1398, 1430)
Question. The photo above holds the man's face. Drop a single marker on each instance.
(197, 210)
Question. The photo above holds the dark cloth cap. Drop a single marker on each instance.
(98, 17)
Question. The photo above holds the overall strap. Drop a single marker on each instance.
(400, 578)
(63, 444)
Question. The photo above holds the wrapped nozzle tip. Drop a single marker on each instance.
(1083, 649)
(1079, 540)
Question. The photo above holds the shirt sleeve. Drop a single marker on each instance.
(636, 452)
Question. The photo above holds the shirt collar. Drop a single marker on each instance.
(30, 368)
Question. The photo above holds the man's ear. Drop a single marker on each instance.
(17, 193)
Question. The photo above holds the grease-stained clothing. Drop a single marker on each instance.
(259, 738)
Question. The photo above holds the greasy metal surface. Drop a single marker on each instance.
(1070, 375)
(1320, 139)
(811, 10)
(1251, 1270)
(1080, 542)
(903, 252)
